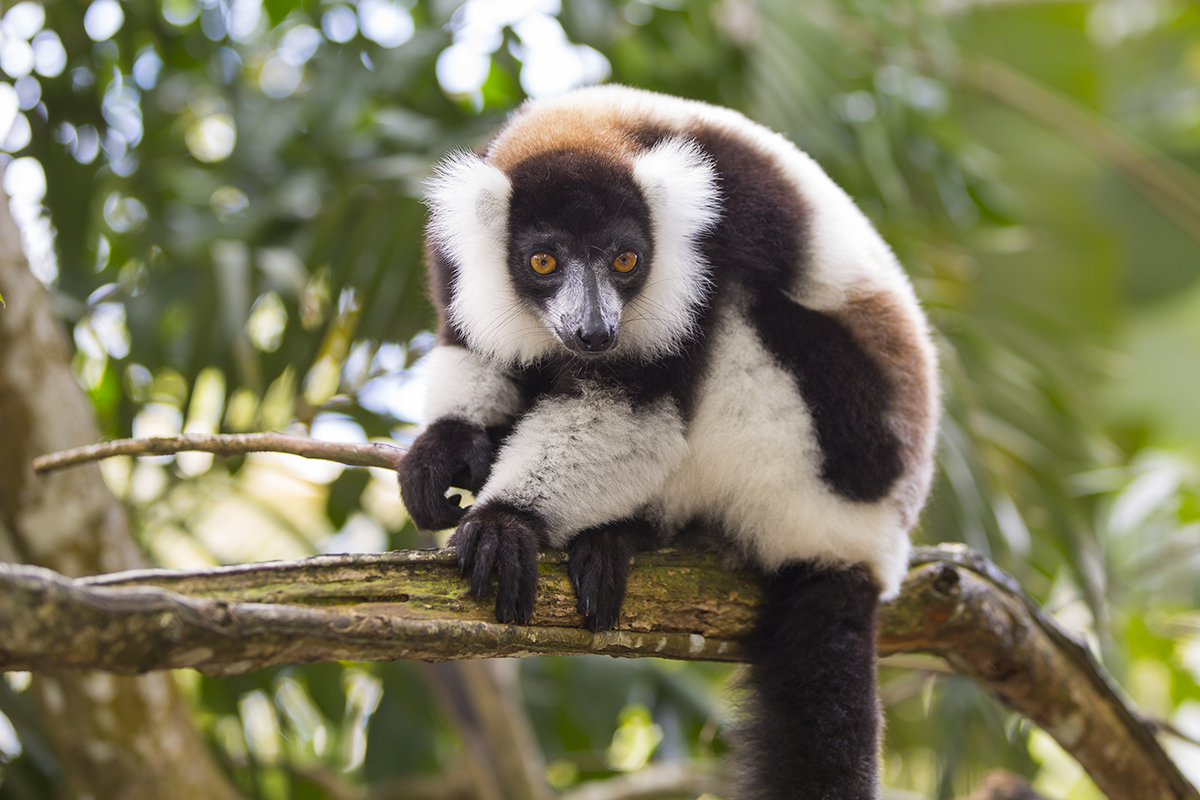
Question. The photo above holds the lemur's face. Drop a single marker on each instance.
(579, 246)
(574, 251)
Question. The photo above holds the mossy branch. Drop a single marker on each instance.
(413, 605)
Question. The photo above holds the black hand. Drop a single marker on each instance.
(449, 450)
(598, 565)
(502, 539)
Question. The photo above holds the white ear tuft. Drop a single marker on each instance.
(679, 181)
(468, 204)
(466, 196)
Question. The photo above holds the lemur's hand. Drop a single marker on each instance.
(451, 452)
(598, 566)
(496, 537)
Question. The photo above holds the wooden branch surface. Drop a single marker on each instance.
(372, 454)
(413, 605)
(388, 606)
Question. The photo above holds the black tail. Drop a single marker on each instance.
(813, 723)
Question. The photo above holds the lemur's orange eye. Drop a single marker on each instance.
(625, 262)
(543, 263)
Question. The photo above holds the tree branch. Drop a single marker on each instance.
(372, 454)
(413, 605)
(964, 609)
(404, 605)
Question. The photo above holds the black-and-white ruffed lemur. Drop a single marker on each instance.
(657, 316)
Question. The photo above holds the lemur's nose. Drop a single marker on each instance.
(594, 339)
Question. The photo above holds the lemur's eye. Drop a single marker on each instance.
(543, 263)
(625, 262)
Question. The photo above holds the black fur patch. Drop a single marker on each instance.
(845, 390)
(450, 452)
(759, 240)
(646, 136)
(598, 567)
(502, 539)
(641, 382)
(813, 718)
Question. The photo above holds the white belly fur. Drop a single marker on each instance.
(753, 463)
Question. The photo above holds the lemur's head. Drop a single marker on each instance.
(585, 248)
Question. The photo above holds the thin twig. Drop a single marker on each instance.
(372, 454)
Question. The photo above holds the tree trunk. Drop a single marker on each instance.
(116, 737)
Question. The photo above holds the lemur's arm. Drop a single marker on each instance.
(465, 397)
(576, 466)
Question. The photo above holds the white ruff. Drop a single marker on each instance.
(461, 384)
(468, 201)
(679, 184)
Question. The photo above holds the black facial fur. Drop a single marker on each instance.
(580, 208)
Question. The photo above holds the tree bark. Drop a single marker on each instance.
(116, 737)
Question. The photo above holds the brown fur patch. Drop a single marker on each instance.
(539, 130)
(596, 121)
(890, 333)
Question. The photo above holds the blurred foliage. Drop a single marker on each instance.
(234, 190)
